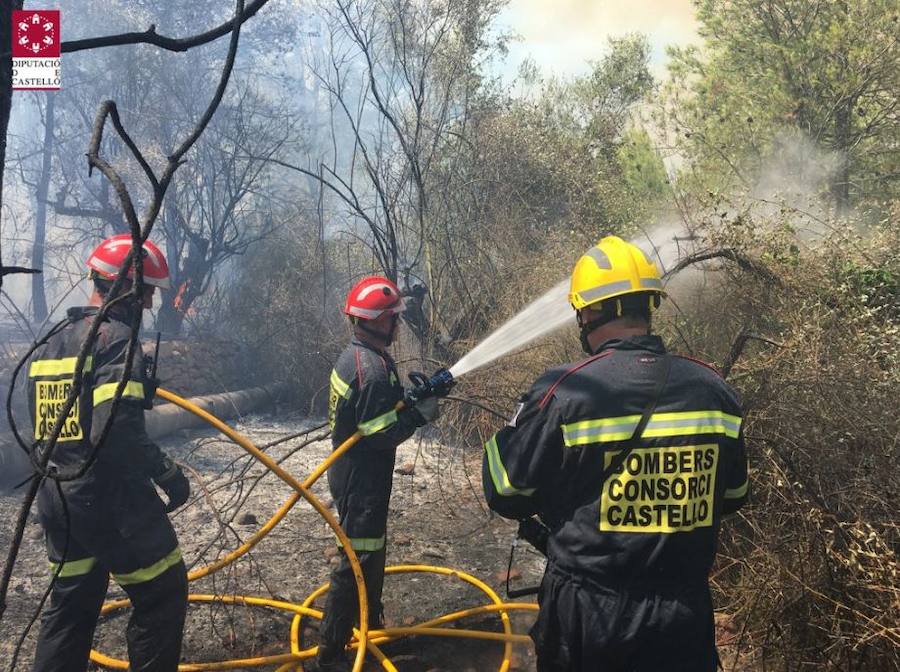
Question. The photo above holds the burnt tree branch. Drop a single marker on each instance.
(737, 348)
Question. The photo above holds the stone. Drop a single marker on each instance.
(248, 519)
(407, 469)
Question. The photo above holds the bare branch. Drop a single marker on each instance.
(150, 36)
(744, 262)
(737, 348)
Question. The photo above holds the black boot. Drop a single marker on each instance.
(332, 659)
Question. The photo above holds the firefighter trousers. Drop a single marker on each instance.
(586, 627)
(154, 630)
(342, 603)
(132, 540)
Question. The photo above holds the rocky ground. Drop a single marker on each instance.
(437, 518)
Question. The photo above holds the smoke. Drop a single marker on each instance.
(793, 180)
(563, 37)
(665, 244)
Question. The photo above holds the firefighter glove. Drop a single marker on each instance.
(175, 484)
(428, 409)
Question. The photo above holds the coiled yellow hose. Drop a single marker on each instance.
(362, 640)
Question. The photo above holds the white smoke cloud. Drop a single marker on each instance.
(562, 36)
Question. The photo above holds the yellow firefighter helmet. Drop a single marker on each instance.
(610, 269)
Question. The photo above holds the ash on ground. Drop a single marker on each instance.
(437, 517)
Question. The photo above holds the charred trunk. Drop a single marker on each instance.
(38, 295)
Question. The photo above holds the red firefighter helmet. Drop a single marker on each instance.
(109, 256)
(373, 296)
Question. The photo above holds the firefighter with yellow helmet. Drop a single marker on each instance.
(630, 457)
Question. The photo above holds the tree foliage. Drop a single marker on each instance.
(829, 69)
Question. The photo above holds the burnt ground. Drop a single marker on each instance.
(437, 518)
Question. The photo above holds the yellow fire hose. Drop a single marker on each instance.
(363, 641)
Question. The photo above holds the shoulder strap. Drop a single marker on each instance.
(664, 366)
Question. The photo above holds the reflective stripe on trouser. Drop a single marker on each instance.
(582, 627)
(72, 568)
(149, 572)
(366, 543)
(78, 567)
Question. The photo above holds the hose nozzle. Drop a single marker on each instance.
(438, 385)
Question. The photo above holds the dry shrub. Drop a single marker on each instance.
(285, 306)
(808, 573)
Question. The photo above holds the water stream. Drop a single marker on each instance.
(552, 310)
(544, 315)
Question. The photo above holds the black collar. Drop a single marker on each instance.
(648, 342)
(381, 352)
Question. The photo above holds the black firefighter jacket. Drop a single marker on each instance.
(657, 515)
(365, 388)
(114, 507)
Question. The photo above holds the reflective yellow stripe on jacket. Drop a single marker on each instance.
(339, 386)
(151, 572)
(106, 391)
(683, 423)
(498, 472)
(57, 367)
(739, 492)
(377, 424)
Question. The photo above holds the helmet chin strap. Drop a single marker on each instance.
(586, 329)
(386, 339)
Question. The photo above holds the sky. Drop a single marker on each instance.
(562, 36)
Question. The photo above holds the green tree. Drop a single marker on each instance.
(539, 176)
(642, 168)
(829, 69)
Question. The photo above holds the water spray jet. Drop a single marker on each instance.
(552, 310)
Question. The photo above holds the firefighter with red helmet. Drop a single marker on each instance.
(630, 457)
(365, 388)
(110, 521)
